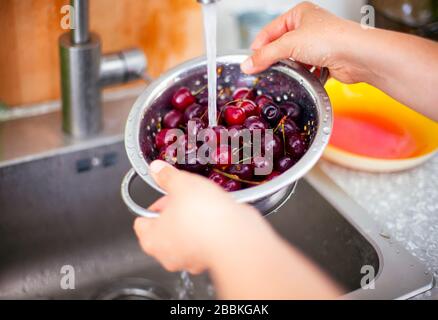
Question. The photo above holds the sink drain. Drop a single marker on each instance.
(134, 289)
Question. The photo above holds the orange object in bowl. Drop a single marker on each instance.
(373, 132)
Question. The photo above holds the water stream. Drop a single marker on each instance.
(209, 12)
(185, 290)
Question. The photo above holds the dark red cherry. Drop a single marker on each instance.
(173, 119)
(291, 110)
(250, 108)
(271, 113)
(185, 145)
(255, 123)
(194, 126)
(262, 100)
(272, 176)
(272, 147)
(264, 164)
(222, 156)
(296, 145)
(220, 131)
(284, 163)
(194, 111)
(243, 93)
(289, 126)
(164, 138)
(192, 164)
(182, 98)
(168, 154)
(243, 171)
(232, 186)
(234, 115)
(218, 179)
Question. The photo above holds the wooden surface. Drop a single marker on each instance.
(169, 32)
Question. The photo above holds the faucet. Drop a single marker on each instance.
(207, 1)
(85, 72)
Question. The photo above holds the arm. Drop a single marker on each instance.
(403, 66)
(210, 231)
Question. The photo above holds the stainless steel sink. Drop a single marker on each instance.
(63, 207)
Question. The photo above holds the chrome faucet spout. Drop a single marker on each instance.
(207, 1)
(85, 71)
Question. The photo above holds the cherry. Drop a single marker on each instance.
(182, 98)
(234, 115)
(243, 93)
(194, 111)
(262, 100)
(272, 176)
(232, 186)
(173, 119)
(193, 166)
(222, 157)
(250, 108)
(164, 138)
(274, 146)
(284, 163)
(255, 123)
(289, 126)
(186, 145)
(264, 164)
(219, 130)
(271, 113)
(218, 179)
(243, 171)
(168, 154)
(194, 126)
(235, 131)
(296, 145)
(291, 110)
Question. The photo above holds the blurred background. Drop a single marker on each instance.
(168, 31)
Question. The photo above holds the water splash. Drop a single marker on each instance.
(186, 287)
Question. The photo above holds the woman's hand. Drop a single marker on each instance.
(202, 228)
(198, 221)
(309, 34)
(401, 65)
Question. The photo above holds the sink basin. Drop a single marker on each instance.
(61, 210)
(65, 210)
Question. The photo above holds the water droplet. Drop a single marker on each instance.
(385, 235)
(326, 130)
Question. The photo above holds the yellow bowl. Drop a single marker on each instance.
(367, 100)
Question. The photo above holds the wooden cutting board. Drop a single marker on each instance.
(169, 32)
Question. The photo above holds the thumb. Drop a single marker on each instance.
(282, 48)
(167, 177)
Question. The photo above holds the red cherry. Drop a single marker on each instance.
(173, 119)
(222, 157)
(234, 115)
(182, 98)
(250, 108)
(243, 93)
(165, 138)
(218, 179)
(232, 186)
(262, 100)
(272, 176)
(296, 145)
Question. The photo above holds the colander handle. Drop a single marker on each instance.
(130, 203)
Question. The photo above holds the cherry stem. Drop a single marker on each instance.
(236, 178)
(200, 90)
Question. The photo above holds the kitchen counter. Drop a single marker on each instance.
(405, 205)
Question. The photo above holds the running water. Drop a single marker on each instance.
(210, 20)
(186, 287)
